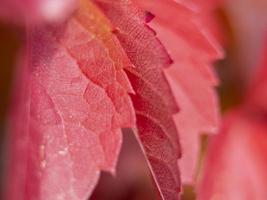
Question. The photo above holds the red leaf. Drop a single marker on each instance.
(75, 98)
(70, 107)
(191, 77)
(235, 167)
(153, 101)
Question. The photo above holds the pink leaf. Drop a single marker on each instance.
(235, 167)
(71, 104)
(191, 77)
(153, 101)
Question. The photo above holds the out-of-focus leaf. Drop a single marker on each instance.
(36, 11)
(235, 167)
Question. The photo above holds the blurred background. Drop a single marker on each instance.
(240, 26)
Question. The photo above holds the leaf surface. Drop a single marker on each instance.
(199, 5)
(191, 77)
(153, 100)
(70, 107)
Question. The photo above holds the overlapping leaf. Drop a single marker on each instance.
(69, 110)
(191, 77)
(153, 101)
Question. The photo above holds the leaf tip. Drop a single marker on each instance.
(149, 16)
